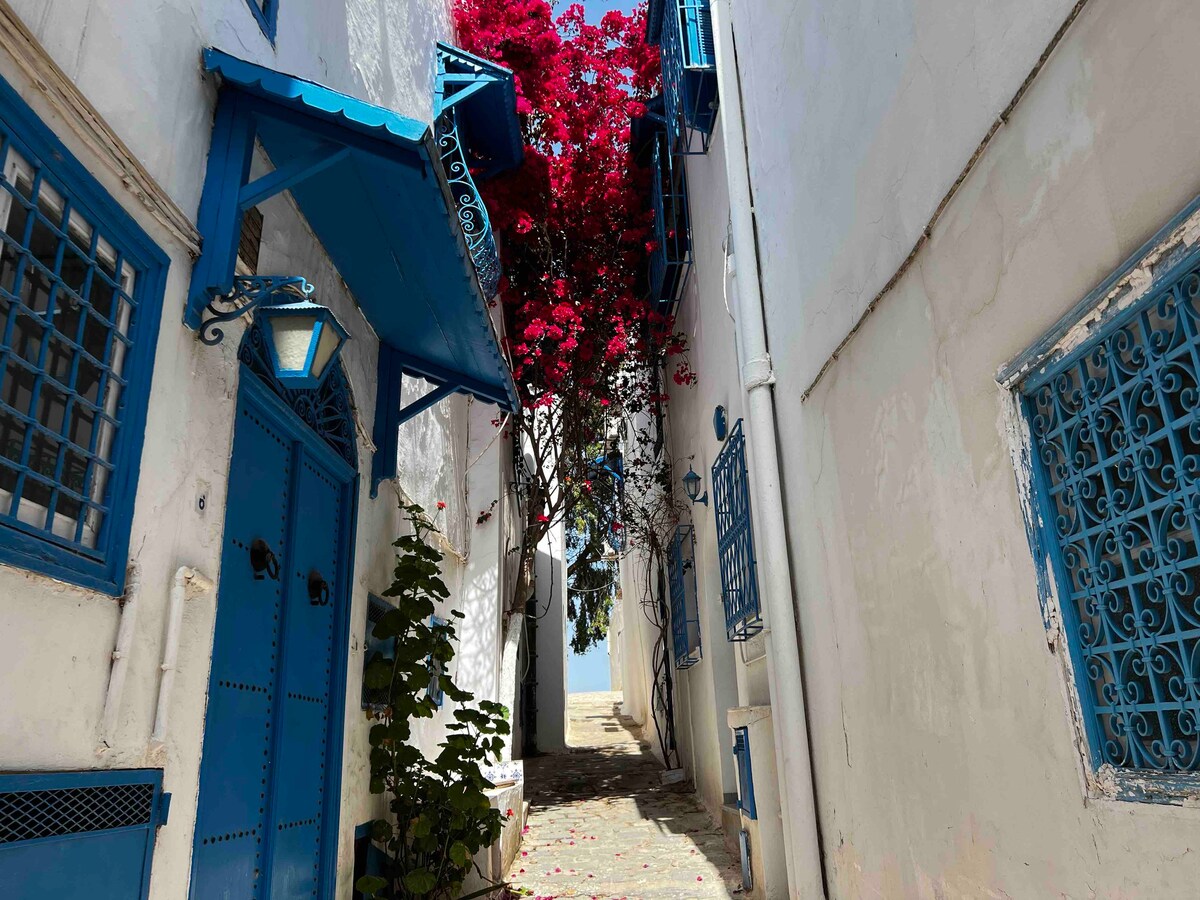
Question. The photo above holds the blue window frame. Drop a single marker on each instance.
(1116, 430)
(265, 13)
(436, 670)
(671, 260)
(735, 538)
(683, 29)
(745, 772)
(374, 698)
(81, 288)
(685, 617)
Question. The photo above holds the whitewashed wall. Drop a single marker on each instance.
(139, 65)
(945, 761)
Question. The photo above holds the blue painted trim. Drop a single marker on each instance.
(281, 179)
(387, 414)
(27, 548)
(266, 17)
(745, 772)
(434, 691)
(271, 405)
(1035, 355)
(49, 781)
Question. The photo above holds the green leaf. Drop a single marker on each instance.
(459, 853)
(420, 881)
(370, 885)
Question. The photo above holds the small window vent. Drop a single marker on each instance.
(30, 815)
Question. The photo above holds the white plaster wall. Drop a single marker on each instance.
(884, 101)
(944, 757)
(551, 640)
(139, 65)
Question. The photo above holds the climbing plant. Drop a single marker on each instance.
(586, 341)
(440, 813)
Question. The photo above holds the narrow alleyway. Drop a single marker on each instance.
(602, 824)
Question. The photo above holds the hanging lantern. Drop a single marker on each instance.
(303, 339)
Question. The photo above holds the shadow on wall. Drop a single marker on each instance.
(391, 46)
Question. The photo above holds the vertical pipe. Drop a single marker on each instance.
(784, 675)
(120, 656)
(184, 578)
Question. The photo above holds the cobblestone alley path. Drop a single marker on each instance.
(602, 825)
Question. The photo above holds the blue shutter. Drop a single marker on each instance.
(374, 698)
(79, 834)
(745, 773)
(685, 619)
(735, 538)
(436, 670)
(699, 49)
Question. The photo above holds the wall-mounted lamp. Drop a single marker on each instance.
(303, 338)
(691, 485)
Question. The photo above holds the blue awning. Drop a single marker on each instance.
(484, 98)
(372, 187)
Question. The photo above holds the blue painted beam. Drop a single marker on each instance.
(293, 173)
(419, 406)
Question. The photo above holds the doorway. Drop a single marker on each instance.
(267, 813)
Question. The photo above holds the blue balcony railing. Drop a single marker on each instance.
(472, 214)
(671, 260)
(689, 71)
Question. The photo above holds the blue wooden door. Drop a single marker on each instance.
(266, 817)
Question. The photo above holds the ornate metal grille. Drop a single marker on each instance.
(325, 410)
(672, 258)
(1117, 430)
(685, 620)
(472, 214)
(735, 538)
(68, 317)
(30, 815)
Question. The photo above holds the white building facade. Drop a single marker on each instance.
(940, 281)
(191, 539)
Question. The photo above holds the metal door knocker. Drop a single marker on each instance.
(318, 589)
(262, 559)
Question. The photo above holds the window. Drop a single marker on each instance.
(374, 698)
(745, 773)
(671, 260)
(80, 293)
(436, 670)
(689, 69)
(265, 13)
(685, 618)
(735, 538)
(1116, 429)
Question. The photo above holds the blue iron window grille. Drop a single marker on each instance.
(745, 772)
(1116, 428)
(689, 70)
(735, 538)
(81, 287)
(685, 617)
(265, 13)
(671, 260)
(374, 698)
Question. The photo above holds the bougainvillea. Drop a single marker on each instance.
(586, 343)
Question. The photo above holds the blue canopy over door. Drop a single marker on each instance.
(266, 822)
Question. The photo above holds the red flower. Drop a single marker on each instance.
(441, 504)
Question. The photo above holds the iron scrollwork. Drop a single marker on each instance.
(250, 291)
(472, 214)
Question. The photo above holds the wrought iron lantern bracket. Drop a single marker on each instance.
(249, 292)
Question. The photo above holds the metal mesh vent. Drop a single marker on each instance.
(28, 815)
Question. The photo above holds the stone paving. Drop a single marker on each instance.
(602, 825)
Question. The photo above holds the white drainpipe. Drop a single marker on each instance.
(784, 676)
(120, 656)
(185, 578)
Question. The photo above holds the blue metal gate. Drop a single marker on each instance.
(266, 824)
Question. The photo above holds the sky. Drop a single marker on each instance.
(590, 671)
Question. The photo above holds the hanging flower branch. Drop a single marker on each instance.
(586, 343)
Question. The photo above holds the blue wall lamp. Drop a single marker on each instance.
(691, 484)
(304, 339)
